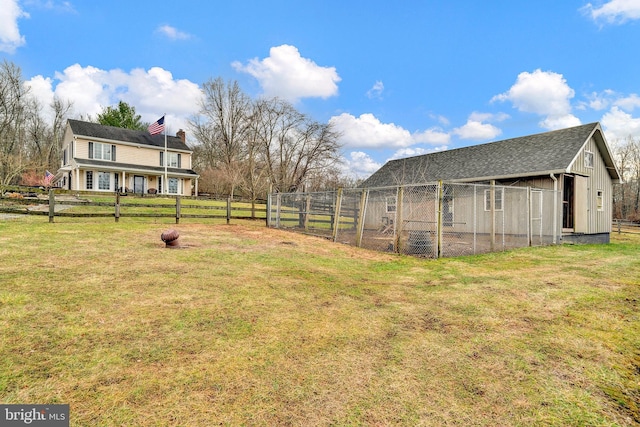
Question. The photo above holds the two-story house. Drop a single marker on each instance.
(108, 159)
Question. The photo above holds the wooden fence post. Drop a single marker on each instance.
(492, 194)
(336, 218)
(117, 215)
(228, 209)
(399, 223)
(52, 205)
(177, 209)
(440, 222)
(360, 217)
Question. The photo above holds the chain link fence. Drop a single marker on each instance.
(429, 220)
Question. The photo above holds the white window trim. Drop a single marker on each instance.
(391, 202)
(587, 155)
(599, 200)
(487, 199)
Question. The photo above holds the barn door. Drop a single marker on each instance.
(580, 210)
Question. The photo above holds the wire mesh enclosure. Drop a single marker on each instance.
(428, 220)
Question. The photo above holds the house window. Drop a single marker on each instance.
(173, 185)
(89, 180)
(104, 181)
(391, 204)
(499, 196)
(599, 200)
(173, 160)
(588, 159)
(100, 151)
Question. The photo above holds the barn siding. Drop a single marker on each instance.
(598, 178)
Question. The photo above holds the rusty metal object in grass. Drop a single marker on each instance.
(170, 238)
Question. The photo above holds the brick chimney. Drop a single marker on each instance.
(183, 136)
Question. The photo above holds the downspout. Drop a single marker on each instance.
(555, 207)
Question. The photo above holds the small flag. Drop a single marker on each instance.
(48, 177)
(157, 126)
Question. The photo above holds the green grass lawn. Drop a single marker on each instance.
(246, 325)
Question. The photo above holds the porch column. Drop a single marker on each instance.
(78, 179)
(124, 178)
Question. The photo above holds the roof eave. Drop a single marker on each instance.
(129, 143)
(509, 176)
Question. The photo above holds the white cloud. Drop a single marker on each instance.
(431, 136)
(359, 165)
(376, 90)
(628, 103)
(544, 93)
(288, 75)
(608, 98)
(367, 131)
(619, 125)
(172, 33)
(614, 11)
(598, 101)
(418, 151)
(441, 119)
(152, 93)
(10, 37)
(57, 6)
(477, 131)
(560, 122)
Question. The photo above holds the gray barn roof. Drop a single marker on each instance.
(96, 130)
(533, 155)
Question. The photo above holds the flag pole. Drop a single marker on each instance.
(166, 159)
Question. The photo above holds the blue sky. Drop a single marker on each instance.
(395, 78)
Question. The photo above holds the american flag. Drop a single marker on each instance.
(48, 177)
(157, 126)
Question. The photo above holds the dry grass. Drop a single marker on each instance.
(251, 326)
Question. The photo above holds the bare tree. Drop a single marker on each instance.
(627, 195)
(259, 144)
(294, 147)
(221, 128)
(13, 115)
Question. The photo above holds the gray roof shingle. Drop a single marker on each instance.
(539, 154)
(96, 130)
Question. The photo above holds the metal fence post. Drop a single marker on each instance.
(278, 209)
(268, 208)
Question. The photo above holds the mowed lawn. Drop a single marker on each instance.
(250, 326)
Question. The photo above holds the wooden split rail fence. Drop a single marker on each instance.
(220, 209)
